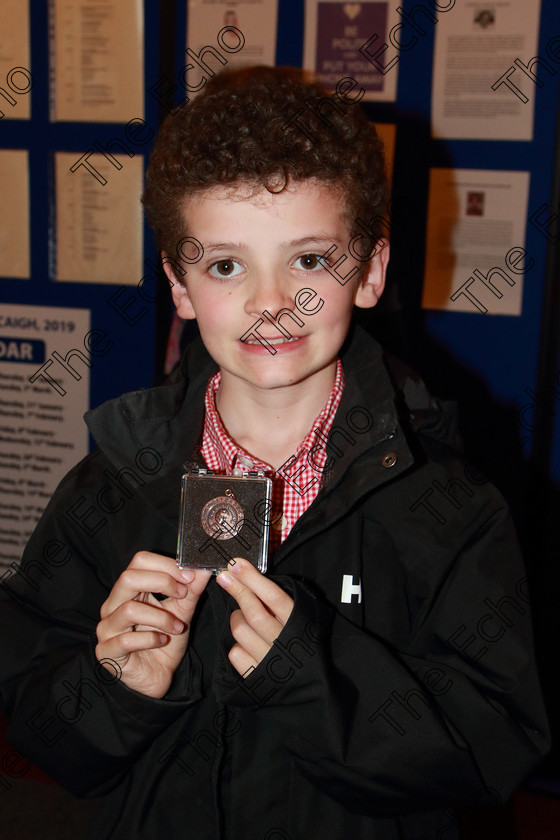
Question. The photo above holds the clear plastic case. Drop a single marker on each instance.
(219, 519)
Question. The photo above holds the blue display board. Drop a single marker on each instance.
(131, 362)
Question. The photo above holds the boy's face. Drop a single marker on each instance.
(259, 252)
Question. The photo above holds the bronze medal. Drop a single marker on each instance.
(222, 514)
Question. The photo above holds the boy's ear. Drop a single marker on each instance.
(372, 283)
(179, 291)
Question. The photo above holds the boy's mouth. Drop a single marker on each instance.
(281, 340)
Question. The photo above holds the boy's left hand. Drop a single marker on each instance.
(264, 610)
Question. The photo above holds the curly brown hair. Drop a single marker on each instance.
(241, 131)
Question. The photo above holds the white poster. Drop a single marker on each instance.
(97, 60)
(45, 364)
(99, 232)
(353, 41)
(225, 35)
(475, 244)
(485, 79)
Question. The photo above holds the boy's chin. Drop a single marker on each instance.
(276, 376)
(274, 380)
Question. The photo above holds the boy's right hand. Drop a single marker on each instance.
(146, 637)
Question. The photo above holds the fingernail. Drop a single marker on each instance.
(225, 579)
(178, 626)
(188, 575)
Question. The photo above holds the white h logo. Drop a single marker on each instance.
(349, 588)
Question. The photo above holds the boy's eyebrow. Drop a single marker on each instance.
(318, 239)
(223, 246)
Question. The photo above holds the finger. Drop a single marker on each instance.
(242, 661)
(278, 602)
(120, 647)
(149, 560)
(248, 638)
(255, 613)
(199, 581)
(133, 613)
(185, 606)
(133, 582)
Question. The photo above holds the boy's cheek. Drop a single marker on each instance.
(213, 318)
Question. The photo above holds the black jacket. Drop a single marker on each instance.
(403, 683)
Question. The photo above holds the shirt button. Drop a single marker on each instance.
(246, 462)
(389, 460)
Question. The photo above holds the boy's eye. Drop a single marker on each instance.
(310, 262)
(225, 268)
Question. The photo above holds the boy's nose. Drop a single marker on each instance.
(268, 295)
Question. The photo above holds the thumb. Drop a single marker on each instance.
(184, 608)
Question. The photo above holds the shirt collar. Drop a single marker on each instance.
(226, 455)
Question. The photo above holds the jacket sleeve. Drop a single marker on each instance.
(69, 714)
(453, 716)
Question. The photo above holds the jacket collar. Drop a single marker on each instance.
(168, 417)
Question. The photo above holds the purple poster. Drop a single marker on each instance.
(342, 28)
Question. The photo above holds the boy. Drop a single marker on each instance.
(382, 670)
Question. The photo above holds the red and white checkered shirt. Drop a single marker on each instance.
(296, 483)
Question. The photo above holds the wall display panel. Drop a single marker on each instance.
(14, 213)
(97, 60)
(98, 229)
(493, 365)
(223, 34)
(45, 359)
(111, 294)
(484, 71)
(346, 45)
(16, 80)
